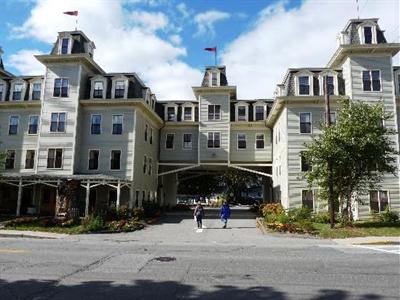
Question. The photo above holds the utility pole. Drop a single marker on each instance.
(331, 199)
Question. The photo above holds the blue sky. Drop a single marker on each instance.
(163, 40)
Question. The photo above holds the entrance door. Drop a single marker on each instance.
(48, 201)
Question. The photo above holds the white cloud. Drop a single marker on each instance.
(205, 22)
(149, 21)
(25, 62)
(303, 37)
(184, 10)
(176, 39)
(120, 45)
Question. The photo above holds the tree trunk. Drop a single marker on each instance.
(68, 199)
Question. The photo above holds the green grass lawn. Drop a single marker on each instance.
(360, 229)
(74, 229)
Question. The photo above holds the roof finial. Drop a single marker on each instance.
(358, 10)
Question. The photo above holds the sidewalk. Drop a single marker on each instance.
(31, 234)
(368, 240)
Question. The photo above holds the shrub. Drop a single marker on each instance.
(322, 217)
(299, 214)
(388, 216)
(305, 226)
(282, 218)
(272, 209)
(150, 208)
(93, 223)
(182, 207)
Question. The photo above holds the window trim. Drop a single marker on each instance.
(335, 82)
(5, 85)
(370, 73)
(112, 124)
(183, 141)
(210, 73)
(68, 88)
(258, 103)
(313, 198)
(301, 163)
(92, 82)
(237, 141)
(101, 124)
(34, 159)
(311, 123)
(58, 121)
(361, 35)
(9, 124)
(114, 85)
(64, 36)
(246, 111)
(29, 124)
(15, 158)
(175, 107)
(192, 107)
(220, 113)
(166, 139)
(310, 75)
(62, 158)
(88, 161)
(31, 84)
(120, 158)
(255, 141)
(379, 200)
(220, 143)
(23, 91)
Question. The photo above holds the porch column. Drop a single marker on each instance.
(87, 198)
(58, 206)
(19, 200)
(131, 195)
(118, 194)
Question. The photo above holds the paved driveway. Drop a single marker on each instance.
(170, 260)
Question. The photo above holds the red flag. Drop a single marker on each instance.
(71, 13)
(213, 49)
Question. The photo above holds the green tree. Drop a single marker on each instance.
(236, 181)
(203, 185)
(361, 149)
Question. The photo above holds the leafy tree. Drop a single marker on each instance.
(361, 150)
(236, 181)
(203, 185)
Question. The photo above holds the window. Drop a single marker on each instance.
(60, 87)
(115, 159)
(259, 141)
(54, 158)
(151, 135)
(371, 80)
(367, 35)
(241, 144)
(57, 122)
(95, 126)
(17, 92)
(259, 113)
(13, 125)
(214, 112)
(169, 141)
(119, 89)
(150, 166)
(171, 114)
(37, 87)
(241, 113)
(112, 199)
(10, 159)
(379, 200)
(330, 85)
(146, 129)
(304, 85)
(214, 79)
(333, 117)
(1, 91)
(305, 122)
(214, 140)
(98, 89)
(33, 125)
(187, 114)
(187, 141)
(307, 199)
(305, 165)
(144, 164)
(64, 46)
(117, 122)
(94, 159)
(30, 159)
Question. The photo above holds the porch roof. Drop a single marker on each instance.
(45, 177)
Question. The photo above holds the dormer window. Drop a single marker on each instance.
(259, 113)
(64, 45)
(36, 91)
(187, 113)
(367, 35)
(304, 85)
(98, 89)
(214, 79)
(242, 113)
(17, 92)
(331, 80)
(171, 114)
(119, 89)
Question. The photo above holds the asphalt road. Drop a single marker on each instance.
(171, 260)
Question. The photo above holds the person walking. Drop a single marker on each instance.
(225, 213)
(199, 214)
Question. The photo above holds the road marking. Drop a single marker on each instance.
(379, 248)
(199, 230)
(11, 250)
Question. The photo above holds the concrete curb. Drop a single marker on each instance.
(368, 240)
(32, 234)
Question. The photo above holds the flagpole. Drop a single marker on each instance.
(76, 23)
(215, 55)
